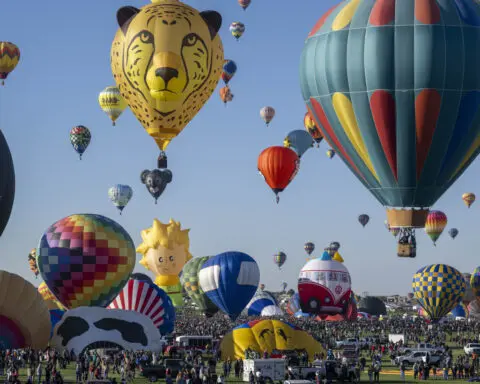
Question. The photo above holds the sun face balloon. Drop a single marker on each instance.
(112, 103)
(85, 260)
(166, 59)
(399, 132)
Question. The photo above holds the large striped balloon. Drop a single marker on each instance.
(146, 298)
(394, 88)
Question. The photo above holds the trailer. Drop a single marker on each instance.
(273, 369)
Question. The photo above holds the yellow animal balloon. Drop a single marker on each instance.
(165, 251)
(9, 58)
(112, 103)
(166, 59)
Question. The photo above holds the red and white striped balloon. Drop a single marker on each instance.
(143, 297)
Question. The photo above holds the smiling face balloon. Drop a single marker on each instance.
(166, 59)
(85, 260)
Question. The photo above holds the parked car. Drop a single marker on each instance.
(471, 348)
(417, 357)
(156, 372)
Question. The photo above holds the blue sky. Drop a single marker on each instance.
(216, 190)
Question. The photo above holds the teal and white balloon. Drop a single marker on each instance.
(300, 141)
(120, 195)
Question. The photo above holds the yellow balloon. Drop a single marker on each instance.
(165, 250)
(24, 316)
(166, 59)
(9, 58)
(112, 103)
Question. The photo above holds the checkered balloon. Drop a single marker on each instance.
(85, 260)
(438, 289)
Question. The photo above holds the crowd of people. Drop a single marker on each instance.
(47, 366)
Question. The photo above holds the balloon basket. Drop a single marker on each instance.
(407, 218)
(162, 161)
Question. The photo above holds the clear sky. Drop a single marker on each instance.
(216, 189)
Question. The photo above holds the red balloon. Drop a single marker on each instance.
(278, 165)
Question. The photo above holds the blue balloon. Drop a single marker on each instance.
(55, 317)
(299, 140)
(230, 280)
(263, 304)
(459, 311)
(169, 316)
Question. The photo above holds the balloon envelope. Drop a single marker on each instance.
(230, 280)
(7, 183)
(300, 141)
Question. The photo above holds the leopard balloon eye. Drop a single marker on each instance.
(146, 37)
(190, 40)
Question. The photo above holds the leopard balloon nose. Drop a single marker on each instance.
(166, 74)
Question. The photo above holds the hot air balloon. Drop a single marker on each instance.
(49, 297)
(401, 134)
(330, 153)
(435, 224)
(262, 287)
(175, 69)
(468, 296)
(278, 166)
(410, 295)
(267, 114)
(394, 231)
(279, 259)
(363, 219)
(230, 280)
(299, 141)
(7, 183)
(335, 246)
(468, 199)
(453, 232)
(438, 288)
(112, 103)
(475, 283)
(80, 137)
(237, 29)
(461, 310)
(324, 286)
(146, 298)
(229, 70)
(293, 305)
(156, 181)
(244, 4)
(24, 317)
(312, 129)
(9, 58)
(284, 286)
(309, 247)
(191, 284)
(226, 95)
(263, 304)
(141, 277)
(32, 261)
(85, 260)
(120, 195)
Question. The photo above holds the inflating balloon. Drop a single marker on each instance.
(237, 29)
(7, 183)
(120, 195)
(24, 317)
(438, 288)
(267, 114)
(475, 283)
(167, 60)
(156, 181)
(468, 199)
(279, 259)
(312, 129)
(278, 166)
(80, 137)
(263, 304)
(229, 70)
(191, 284)
(85, 260)
(9, 58)
(230, 280)
(299, 141)
(148, 299)
(165, 251)
(435, 224)
(112, 103)
(401, 134)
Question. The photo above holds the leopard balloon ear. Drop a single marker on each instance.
(213, 20)
(125, 16)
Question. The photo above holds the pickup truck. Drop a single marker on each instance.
(351, 341)
(417, 357)
(425, 347)
(472, 347)
(156, 372)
